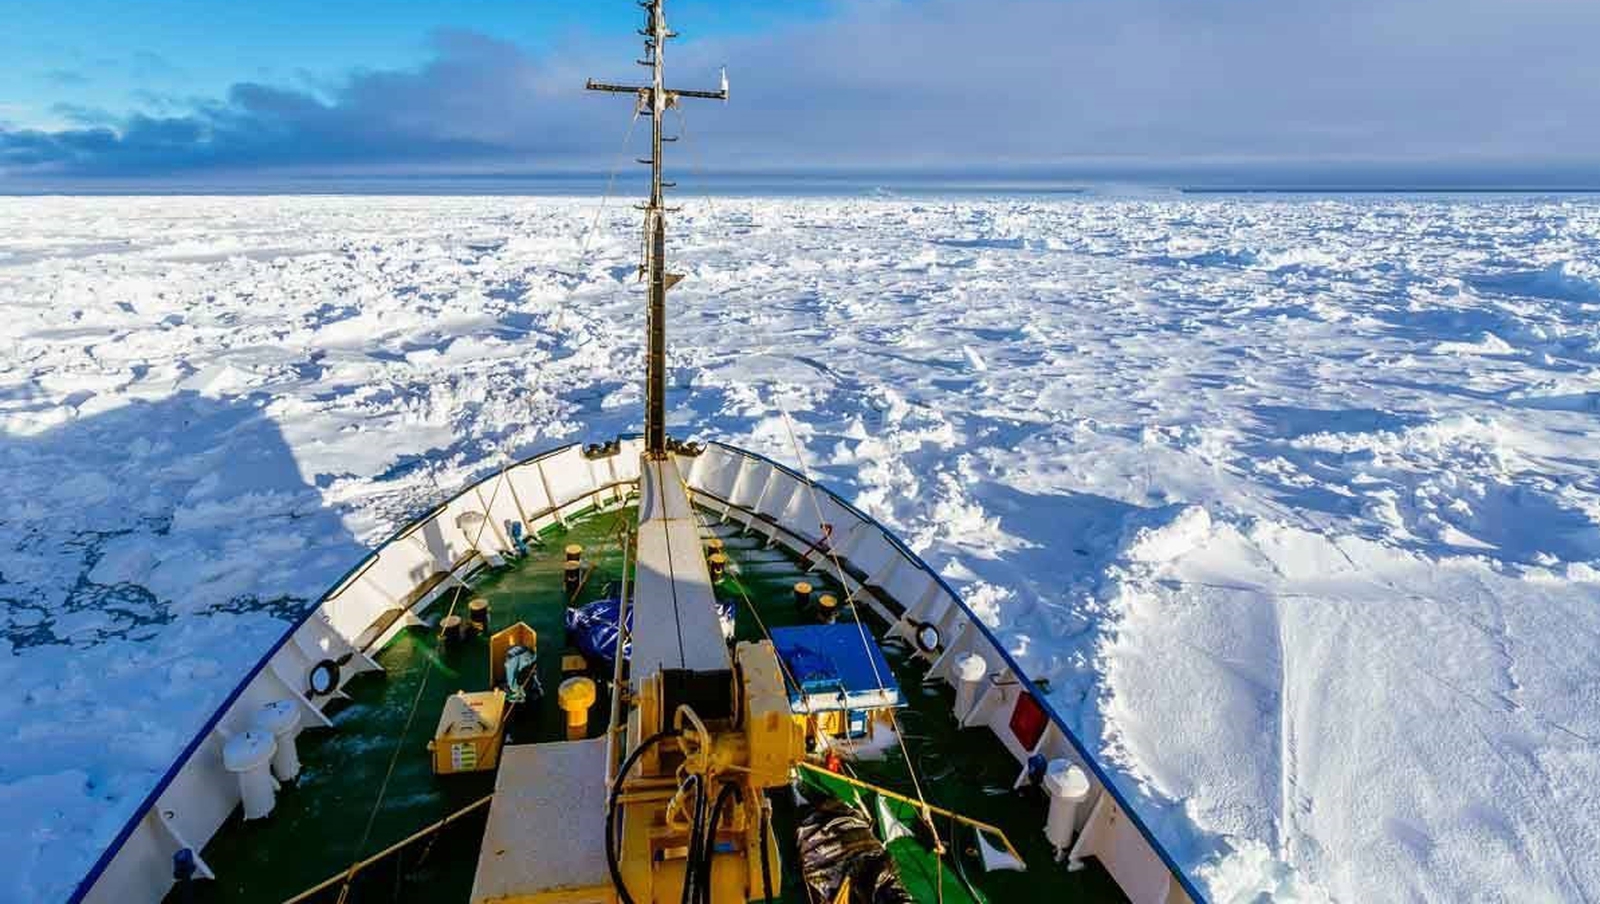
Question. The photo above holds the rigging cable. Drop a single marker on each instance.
(849, 599)
(461, 585)
(416, 700)
(911, 770)
(594, 225)
(694, 161)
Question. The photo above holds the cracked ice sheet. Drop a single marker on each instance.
(1292, 501)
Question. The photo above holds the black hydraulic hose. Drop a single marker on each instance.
(696, 831)
(708, 848)
(766, 867)
(611, 809)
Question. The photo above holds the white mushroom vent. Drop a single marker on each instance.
(248, 755)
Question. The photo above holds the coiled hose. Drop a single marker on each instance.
(708, 848)
(611, 809)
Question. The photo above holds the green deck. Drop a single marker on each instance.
(968, 771)
(314, 832)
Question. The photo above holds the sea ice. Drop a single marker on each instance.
(1294, 503)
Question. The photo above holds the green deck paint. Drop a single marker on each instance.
(967, 771)
(313, 832)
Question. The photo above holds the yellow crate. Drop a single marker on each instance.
(470, 730)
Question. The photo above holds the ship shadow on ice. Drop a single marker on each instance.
(125, 520)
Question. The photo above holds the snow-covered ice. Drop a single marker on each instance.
(1294, 502)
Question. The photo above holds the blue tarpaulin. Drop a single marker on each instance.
(837, 667)
(593, 628)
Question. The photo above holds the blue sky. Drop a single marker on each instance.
(1359, 92)
(120, 56)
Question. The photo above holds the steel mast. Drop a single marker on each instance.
(654, 100)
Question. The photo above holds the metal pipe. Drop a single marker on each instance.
(920, 805)
(612, 728)
(655, 428)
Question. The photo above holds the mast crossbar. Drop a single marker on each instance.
(655, 99)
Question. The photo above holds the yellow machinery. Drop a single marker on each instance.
(690, 798)
(673, 793)
(575, 696)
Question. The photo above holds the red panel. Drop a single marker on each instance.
(1028, 721)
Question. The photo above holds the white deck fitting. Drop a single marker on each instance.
(675, 610)
(547, 823)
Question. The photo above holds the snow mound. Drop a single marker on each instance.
(1486, 344)
(1180, 529)
(1250, 874)
(1292, 501)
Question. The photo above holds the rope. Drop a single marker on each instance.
(594, 225)
(461, 585)
(694, 159)
(383, 788)
(416, 701)
(849, 598)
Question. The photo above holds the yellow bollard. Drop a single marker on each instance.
(576, 695)
(478, 614)
(802, 596)
(827, 608)
(719, 564)
(574, 552)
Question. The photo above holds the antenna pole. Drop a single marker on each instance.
(654, 100)
(655, 415)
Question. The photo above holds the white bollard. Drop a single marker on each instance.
(248, 755)
(971, 669)
(1068, 787)
(281, 718)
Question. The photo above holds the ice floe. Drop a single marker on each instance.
(1293, 503)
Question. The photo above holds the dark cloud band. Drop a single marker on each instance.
(1363, 88)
